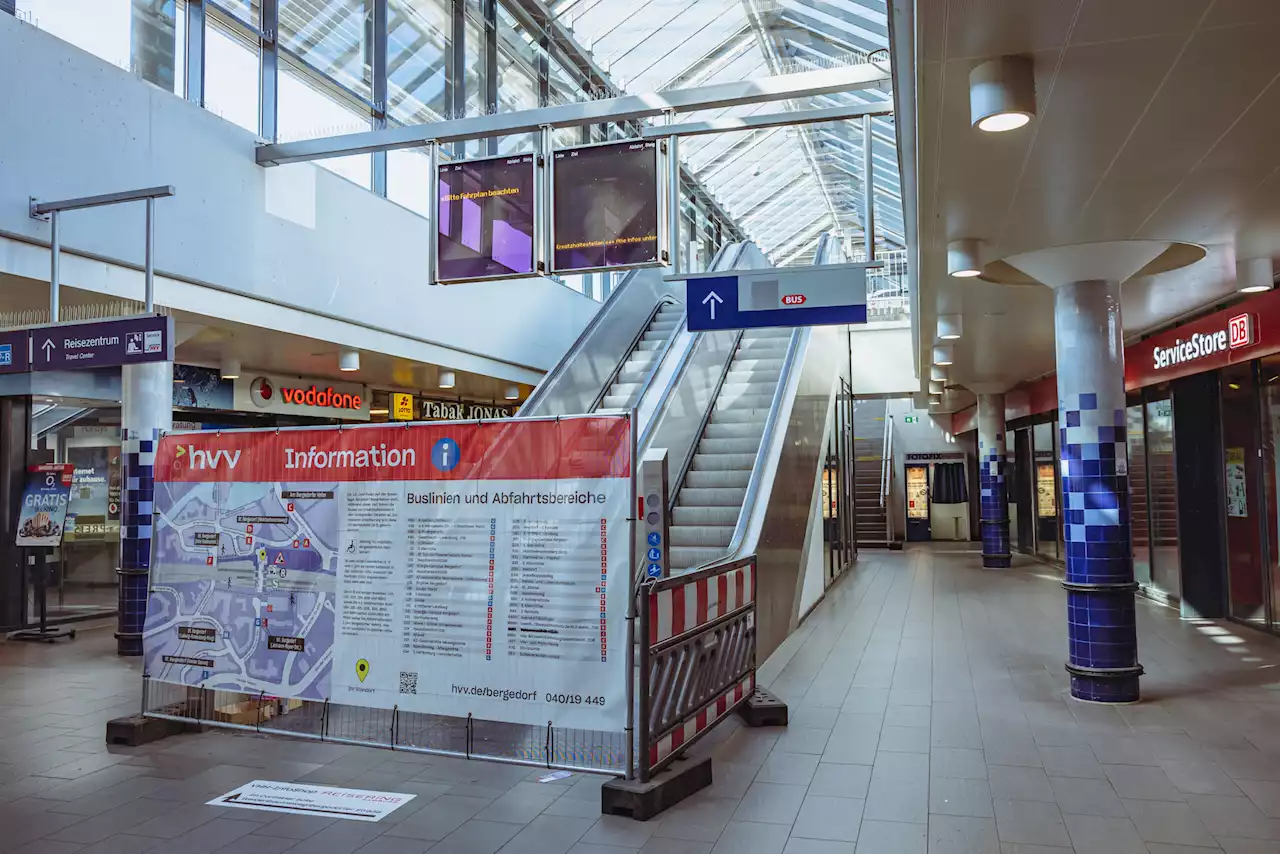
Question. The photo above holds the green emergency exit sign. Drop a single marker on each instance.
(911, 419)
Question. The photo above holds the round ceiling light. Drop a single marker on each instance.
(950, 326)
(1255, 275)
(1002, 94)
(349, 361)
(448, 379)
(938, 374)
(513, 393)
(943, 354)
(935, 388)
(962, 258)
(230, 369)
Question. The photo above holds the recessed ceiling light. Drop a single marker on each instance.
(1255, 275)
(1002, 94)
(950, 326)
(349, 361)
(230, 369)
(943, 355)
(448, 379)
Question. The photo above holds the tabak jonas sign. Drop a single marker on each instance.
(461, 410)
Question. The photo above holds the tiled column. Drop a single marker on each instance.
(1101, 625)
(147, 411)
(994, 520)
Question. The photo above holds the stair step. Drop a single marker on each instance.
(685, 558)
(728, 446)
(723, 462)
(724, 515)
(711, 497)
(701, 535)
(733, 430)
(728, 478)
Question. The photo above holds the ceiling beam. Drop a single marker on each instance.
(622, 108)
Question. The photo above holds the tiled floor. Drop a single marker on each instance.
(928, 714)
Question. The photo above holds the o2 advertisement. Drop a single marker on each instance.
(606, 206)
(486, 219)
(44, 505)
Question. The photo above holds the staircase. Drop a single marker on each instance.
(624, 393)
(868, 472)
(712, 494)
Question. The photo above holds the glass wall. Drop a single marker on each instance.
(1162, 495)
(1269, 383)
(1045, 442)
(1139, 520)
(1241, 478)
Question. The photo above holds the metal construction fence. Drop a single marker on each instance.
(697, 657)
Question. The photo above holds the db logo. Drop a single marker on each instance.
(793, 299)
(1240, 330)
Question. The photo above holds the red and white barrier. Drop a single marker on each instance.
(703, 720)
(685, 607)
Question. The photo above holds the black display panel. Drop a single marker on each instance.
(486, 219)
(606, 206)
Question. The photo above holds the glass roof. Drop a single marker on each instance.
(785, 186)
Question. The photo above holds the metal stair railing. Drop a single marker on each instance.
(886, 476)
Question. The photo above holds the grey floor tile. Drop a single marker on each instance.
(1030, 822)
(1232, 845)
(1015, 848)
(958, 762)
(572, 808)
(1238, 817)
(956, 796)
(701, 819)
(1199, 778)
(956, 834)
(46, 846)
(904, 767)
(1143, 782)
(1071, 762)
(803, 740)
(1164, 821)
(620, 832)
(772, 803)
(823, 817)
(477, 837)
(796, 845)
(1086, 796)
(662, 845)
(278, 845)
(437, 819)
(897, 800)
(521, 804)
(793, 769)
(1104, 834)
(593, 848)
(904, 739)
(123, 843)
(840, 781)
(1015, 782)
(749, 837)
(1265, 794)
(221, 832)
(1166, 848)
(889, 837)
(118, 820)
(728, 779)
(295, 826)
(909, 716)
(549, 835)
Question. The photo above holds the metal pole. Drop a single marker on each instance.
(673, 199)
(150, 289)
(55, 250)
(547, 148)
(433, 211)
(868, 191)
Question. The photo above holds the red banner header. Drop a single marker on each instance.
(584, 448)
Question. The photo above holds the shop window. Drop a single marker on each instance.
(1162, 497)
(1046, 497)
(1269, 382)
(1139, 519)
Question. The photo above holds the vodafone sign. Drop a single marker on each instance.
(302, 396)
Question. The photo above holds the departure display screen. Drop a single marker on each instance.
(606, 206)
(486, 219)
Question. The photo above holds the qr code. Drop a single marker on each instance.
(408, 682)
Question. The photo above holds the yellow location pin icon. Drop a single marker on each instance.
(362, 669)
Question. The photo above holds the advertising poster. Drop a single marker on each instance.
(93, 508)
(917, 492)
(606, 206)
(44, 505)
(201, 388)
(486, 218)
(1046, 491)
(452, 569)
(1237, 497)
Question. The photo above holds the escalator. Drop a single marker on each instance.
(744, 419)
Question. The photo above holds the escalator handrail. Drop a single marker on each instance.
(547, 381)
(706, 419)
(766, 442)
(664, 353)
(630, 351)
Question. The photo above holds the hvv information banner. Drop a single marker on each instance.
(447, 568)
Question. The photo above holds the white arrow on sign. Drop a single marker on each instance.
(48, 346)
(712, 298)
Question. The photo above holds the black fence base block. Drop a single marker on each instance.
(896, 545)
(642, 801)
(136, 730)
(763, 709)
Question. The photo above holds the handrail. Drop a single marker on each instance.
(706, 417)
(540, 390)
(885, 464)
(630, 351)
(762, 454)
(888, 478)
(662, 356)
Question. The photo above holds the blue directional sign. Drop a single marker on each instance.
(802, 296)
(102, 343)
(14, 352)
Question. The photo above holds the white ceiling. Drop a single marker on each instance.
(206, 341)
(1156, 119)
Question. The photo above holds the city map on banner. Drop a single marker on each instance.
(447, 568)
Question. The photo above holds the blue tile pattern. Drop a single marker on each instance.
(139, 450)
(1101, 624)
(994, 502)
